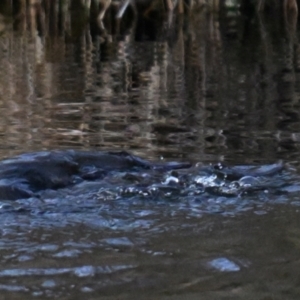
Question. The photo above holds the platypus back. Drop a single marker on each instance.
(27, 174)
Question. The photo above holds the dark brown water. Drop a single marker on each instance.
(214, 87)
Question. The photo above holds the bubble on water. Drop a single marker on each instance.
(49, 284)
(206, 180)
(121, 241)
(6, 206)
(171, 180)
(234, 185)
(24, 258)
(248, 181)
(223, 264)
(68, 253)
(85, 271)
(48, 247)
(86, 289)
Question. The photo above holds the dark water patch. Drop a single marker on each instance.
(158, 259)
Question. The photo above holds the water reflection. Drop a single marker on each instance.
(212, 86)
(205, 86)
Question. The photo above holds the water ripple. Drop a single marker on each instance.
(81, 271)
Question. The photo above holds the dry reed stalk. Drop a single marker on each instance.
(288, 5)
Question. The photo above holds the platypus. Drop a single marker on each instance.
(25, 175)
(237, 172)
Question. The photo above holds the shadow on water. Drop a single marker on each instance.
(206, 86)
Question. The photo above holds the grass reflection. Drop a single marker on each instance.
(209, 82)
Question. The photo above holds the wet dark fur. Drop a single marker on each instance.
(25, 175)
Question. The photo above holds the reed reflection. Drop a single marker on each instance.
(207, 83)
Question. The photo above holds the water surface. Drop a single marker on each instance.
(209, 88)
